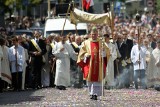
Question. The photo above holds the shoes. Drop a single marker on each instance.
(61, 87)
(157, 88)
(37, 87)
(136, 87)
(93, 97)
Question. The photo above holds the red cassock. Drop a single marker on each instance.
(92, 67)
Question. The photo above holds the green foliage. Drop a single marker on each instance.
(158, 6)
(4, 4)
(20, 2)
(122, 0)
(35, 2)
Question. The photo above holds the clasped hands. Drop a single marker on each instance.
(138, 61)
(36, 53)
(62, 49)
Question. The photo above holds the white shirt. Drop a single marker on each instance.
(20, 58)
(140, 55)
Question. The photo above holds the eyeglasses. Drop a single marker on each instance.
(85, 38)
(119, 38)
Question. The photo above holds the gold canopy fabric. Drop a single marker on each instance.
(77, 16)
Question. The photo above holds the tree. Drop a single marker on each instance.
(35, 2)
(122, 1)
(5, 4)
(158, 5)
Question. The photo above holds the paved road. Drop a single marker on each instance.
(51, 97)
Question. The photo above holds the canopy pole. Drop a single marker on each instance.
(66, 18)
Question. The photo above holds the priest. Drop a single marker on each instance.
(110, 67)
(63, 52)
(90, 60)
(154, 67)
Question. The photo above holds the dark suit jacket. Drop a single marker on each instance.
(32, 49)
(122, 49)
(129, 44)
(153, 45)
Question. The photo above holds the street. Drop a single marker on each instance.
(51, 97)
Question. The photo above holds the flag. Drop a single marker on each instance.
(87, 4)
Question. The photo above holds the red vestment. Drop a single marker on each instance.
(92, 68)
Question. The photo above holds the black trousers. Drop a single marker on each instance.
(36, 72)
(17, 80)
(115, 69)
(52, 78)
(52, 75)
(1, 85)
(28, 77)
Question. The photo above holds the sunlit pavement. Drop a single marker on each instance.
(51, 97)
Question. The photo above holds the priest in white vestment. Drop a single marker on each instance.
(138, 57)
(24, 69)
(154, 66)
(63, 52)
(6, 73)
(149, 50)
(17, 60)
(110, 67)
(1, 58)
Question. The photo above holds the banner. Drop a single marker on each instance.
(77, 16)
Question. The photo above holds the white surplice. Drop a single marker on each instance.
(110, 65)
(149, 73)
(6, 73)
(20, 58)
(1, 58)
(62, 76)
(153, 69)
(136, 55)
(24, 69)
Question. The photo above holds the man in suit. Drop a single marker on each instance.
(122, 47)
(37, 48)
(129, 44)
(152, 44)
(129, 66)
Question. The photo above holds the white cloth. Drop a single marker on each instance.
(140, 55)
(45, 73)
(20, 58)
(117, 50)
(6, 73)
(153, 69)
(95, 88)
(24, 69)
(62, 76)
(110, 66)
(149, 73)
(91, 2)
(144, 19)
(1, 58)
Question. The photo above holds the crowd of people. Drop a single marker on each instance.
(123, 57)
